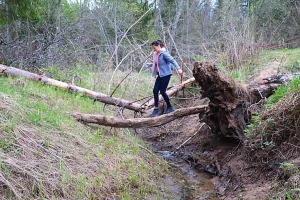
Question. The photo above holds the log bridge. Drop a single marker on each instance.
(227, 112)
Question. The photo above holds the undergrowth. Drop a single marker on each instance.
(45, 154)
(288, 61)
(274, 140)
(136, 86)
(283, 90)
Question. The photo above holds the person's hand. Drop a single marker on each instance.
(146, 64)
(180, 72)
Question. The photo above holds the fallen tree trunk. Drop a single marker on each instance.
(230, 101)
(92, 94)
(72, 88)
(139, 122)
(267, 86)
(172, 91)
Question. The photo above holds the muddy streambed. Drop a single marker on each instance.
(191, 171)
(191, 179)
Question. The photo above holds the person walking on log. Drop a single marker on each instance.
(162, 60)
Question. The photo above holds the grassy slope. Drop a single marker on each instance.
(141, 83)
(289, 60)
(45, 153)
(274, 139)
(277, 125)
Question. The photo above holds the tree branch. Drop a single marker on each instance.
(139, 122)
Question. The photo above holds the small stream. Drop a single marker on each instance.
(195, 183)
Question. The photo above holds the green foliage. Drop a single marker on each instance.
(286, 193)
(36, 12)
(286, 59)
(199, 58)
(266, 144)
(250, 131)
(235, 75)
(288, 167)
(70, 10)
(251, 127)
(287, 170)
(7, 145)
(294, 66)
(21, 9)
(295, 84)
(280, 92)
(274, 12)
(48, 110)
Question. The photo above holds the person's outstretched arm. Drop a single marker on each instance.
(170, 59)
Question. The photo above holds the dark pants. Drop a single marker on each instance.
(161, 85)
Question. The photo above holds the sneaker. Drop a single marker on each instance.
(155, 112)
(169, 110)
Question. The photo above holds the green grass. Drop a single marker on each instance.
(289, 59)
(263, 127)
(81, 162)
(86, 162)
(283, 90)
(135, 86)
(279, 93)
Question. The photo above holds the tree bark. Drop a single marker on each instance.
(173, 27)
(58, 17)
(267, 86)
(116, 33)
(72, 88)
(229, 100)
(139, 122)
(172, 91)
(89, 93)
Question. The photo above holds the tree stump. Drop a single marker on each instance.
(229, 101)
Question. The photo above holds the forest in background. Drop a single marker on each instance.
(45, 153)
(110, 34)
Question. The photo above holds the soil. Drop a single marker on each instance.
(214, 167)
(273, 68)
(210, 165)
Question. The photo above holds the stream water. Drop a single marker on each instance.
(195, 183)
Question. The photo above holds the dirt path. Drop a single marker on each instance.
(272, 68)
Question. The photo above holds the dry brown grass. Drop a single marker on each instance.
(278, 132)
(274, 147)
(71, 161)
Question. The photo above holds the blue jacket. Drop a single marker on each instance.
(165, 60)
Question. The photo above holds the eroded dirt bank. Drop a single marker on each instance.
(210, 166)
(214, 166)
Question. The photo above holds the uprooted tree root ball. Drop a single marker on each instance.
(267, 163)
(228, 100)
